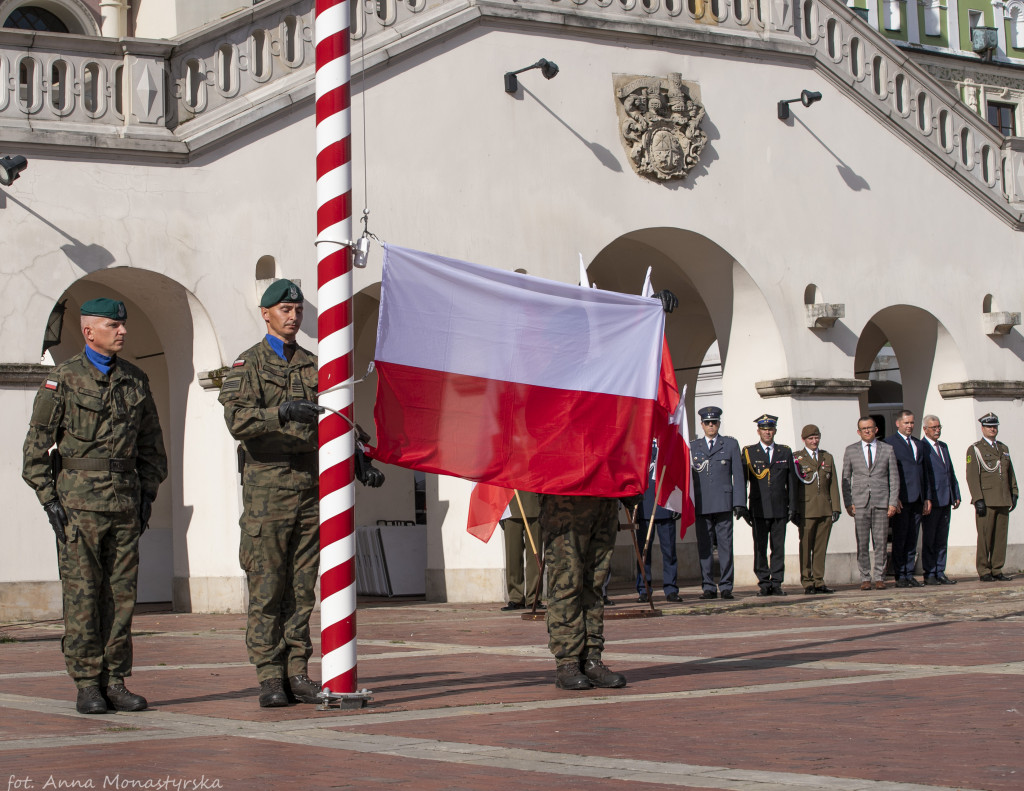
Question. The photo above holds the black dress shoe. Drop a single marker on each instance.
(944, 580)
(933, 580)
(810, 590)
(123, 700)
(607, 602)
(90, 701)
(777, 591)
(1001, 577)
(643, 598)
(514, 605)
(709, 595)
(902, 584)
(272, 694)
(727, 595)
(672, 597)
(987, 578)
(764, 592)
(823, 589)
(913, 583)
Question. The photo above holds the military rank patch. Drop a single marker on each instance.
(237, 363)
(50, 384)
(296, 386)
(968, 458)
(231, 385)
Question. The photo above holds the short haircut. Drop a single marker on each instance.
(904, 413)
(929, 418)
(864, 418)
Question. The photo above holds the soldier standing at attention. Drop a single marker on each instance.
(771, 475)
(994, 494)
(269, 399)
(98, 492)
(817, 508)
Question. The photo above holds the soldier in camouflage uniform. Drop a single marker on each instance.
(269, 399)
(98, 496)
(579, 536)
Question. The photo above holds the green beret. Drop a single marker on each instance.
(281, 291)
(105, 308)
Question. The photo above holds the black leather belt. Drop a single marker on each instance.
(291, 459)
(99, 465)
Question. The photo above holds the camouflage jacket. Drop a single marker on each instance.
(91, 415)
(278, 454)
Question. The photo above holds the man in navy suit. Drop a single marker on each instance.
(916, 496)
(935, 526)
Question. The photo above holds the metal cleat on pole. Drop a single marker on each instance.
(343, 700)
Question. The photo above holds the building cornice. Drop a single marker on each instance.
(777, 388)
(983, 388)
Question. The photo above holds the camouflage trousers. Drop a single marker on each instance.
(99, 571)
(579, 535)
(280, 554)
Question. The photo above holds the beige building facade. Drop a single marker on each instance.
(174, 168)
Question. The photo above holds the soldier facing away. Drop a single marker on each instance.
(98, 489)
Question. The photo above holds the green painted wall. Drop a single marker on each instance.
(941, 40)
(985, 6)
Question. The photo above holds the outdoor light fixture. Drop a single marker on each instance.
(547, 68)
(10, 169)
(807, 98)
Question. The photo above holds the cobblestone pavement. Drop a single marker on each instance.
(895, 690)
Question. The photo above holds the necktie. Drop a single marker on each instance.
(711, 445)
(814, 455)
(768, 450)
(871, 460)
(910, 445)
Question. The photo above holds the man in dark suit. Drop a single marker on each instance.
(871, 489)
(915, 501)
(768, 469)
(718, 495)
(935, 526)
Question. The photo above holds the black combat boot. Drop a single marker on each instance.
(303, 689)
(272, 693)
(121, 699)
(569, 676)
(90, 701)
(600, 675)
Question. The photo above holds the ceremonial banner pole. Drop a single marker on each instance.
(335, 342)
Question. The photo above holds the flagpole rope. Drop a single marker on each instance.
(335, 345)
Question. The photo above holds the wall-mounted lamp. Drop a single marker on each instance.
(547, 68)
(807, 98)
(10, 169)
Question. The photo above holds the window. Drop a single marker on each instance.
(891, 15)
(1003, 118)
(33, 17)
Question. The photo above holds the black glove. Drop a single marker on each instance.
(979, 506)
(58, 519)
(366, 473)
(835, 516)
(145, 511)
(796, 519)
(629, 503)
(1013, 502)
(669, 301)
(299, 411)
(742, 512)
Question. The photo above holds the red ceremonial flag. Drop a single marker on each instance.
(487, 506)
(674, 458)
(513, 380)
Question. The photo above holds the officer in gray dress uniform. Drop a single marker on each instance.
(719, 494)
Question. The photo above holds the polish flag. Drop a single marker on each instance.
(514, 380)
(488, 505)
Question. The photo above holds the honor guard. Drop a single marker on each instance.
(771, 476)
(817, 507)
(994, 494)
(719, 496)
(98, 489)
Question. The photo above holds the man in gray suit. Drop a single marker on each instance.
(871, 487)
(719, 493)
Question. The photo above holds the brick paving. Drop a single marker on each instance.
(896, 690)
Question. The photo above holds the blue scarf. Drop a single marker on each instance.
(277, 345)
(102, 362)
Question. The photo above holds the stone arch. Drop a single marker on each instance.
(76, 15)
(188, 555)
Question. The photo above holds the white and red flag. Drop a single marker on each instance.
(488, 505)
(513, 380)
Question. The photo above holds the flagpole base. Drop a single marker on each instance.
(533, 616)
(621, 614)
(343, 700)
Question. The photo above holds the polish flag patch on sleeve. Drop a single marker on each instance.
(238, 363)
(50, 384)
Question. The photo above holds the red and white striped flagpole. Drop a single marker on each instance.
(334, 331)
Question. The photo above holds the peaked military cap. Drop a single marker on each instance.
(991, 419)
(106, 308)
(710, 413)
(281, 291)
(810, 430)
(766, 421)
